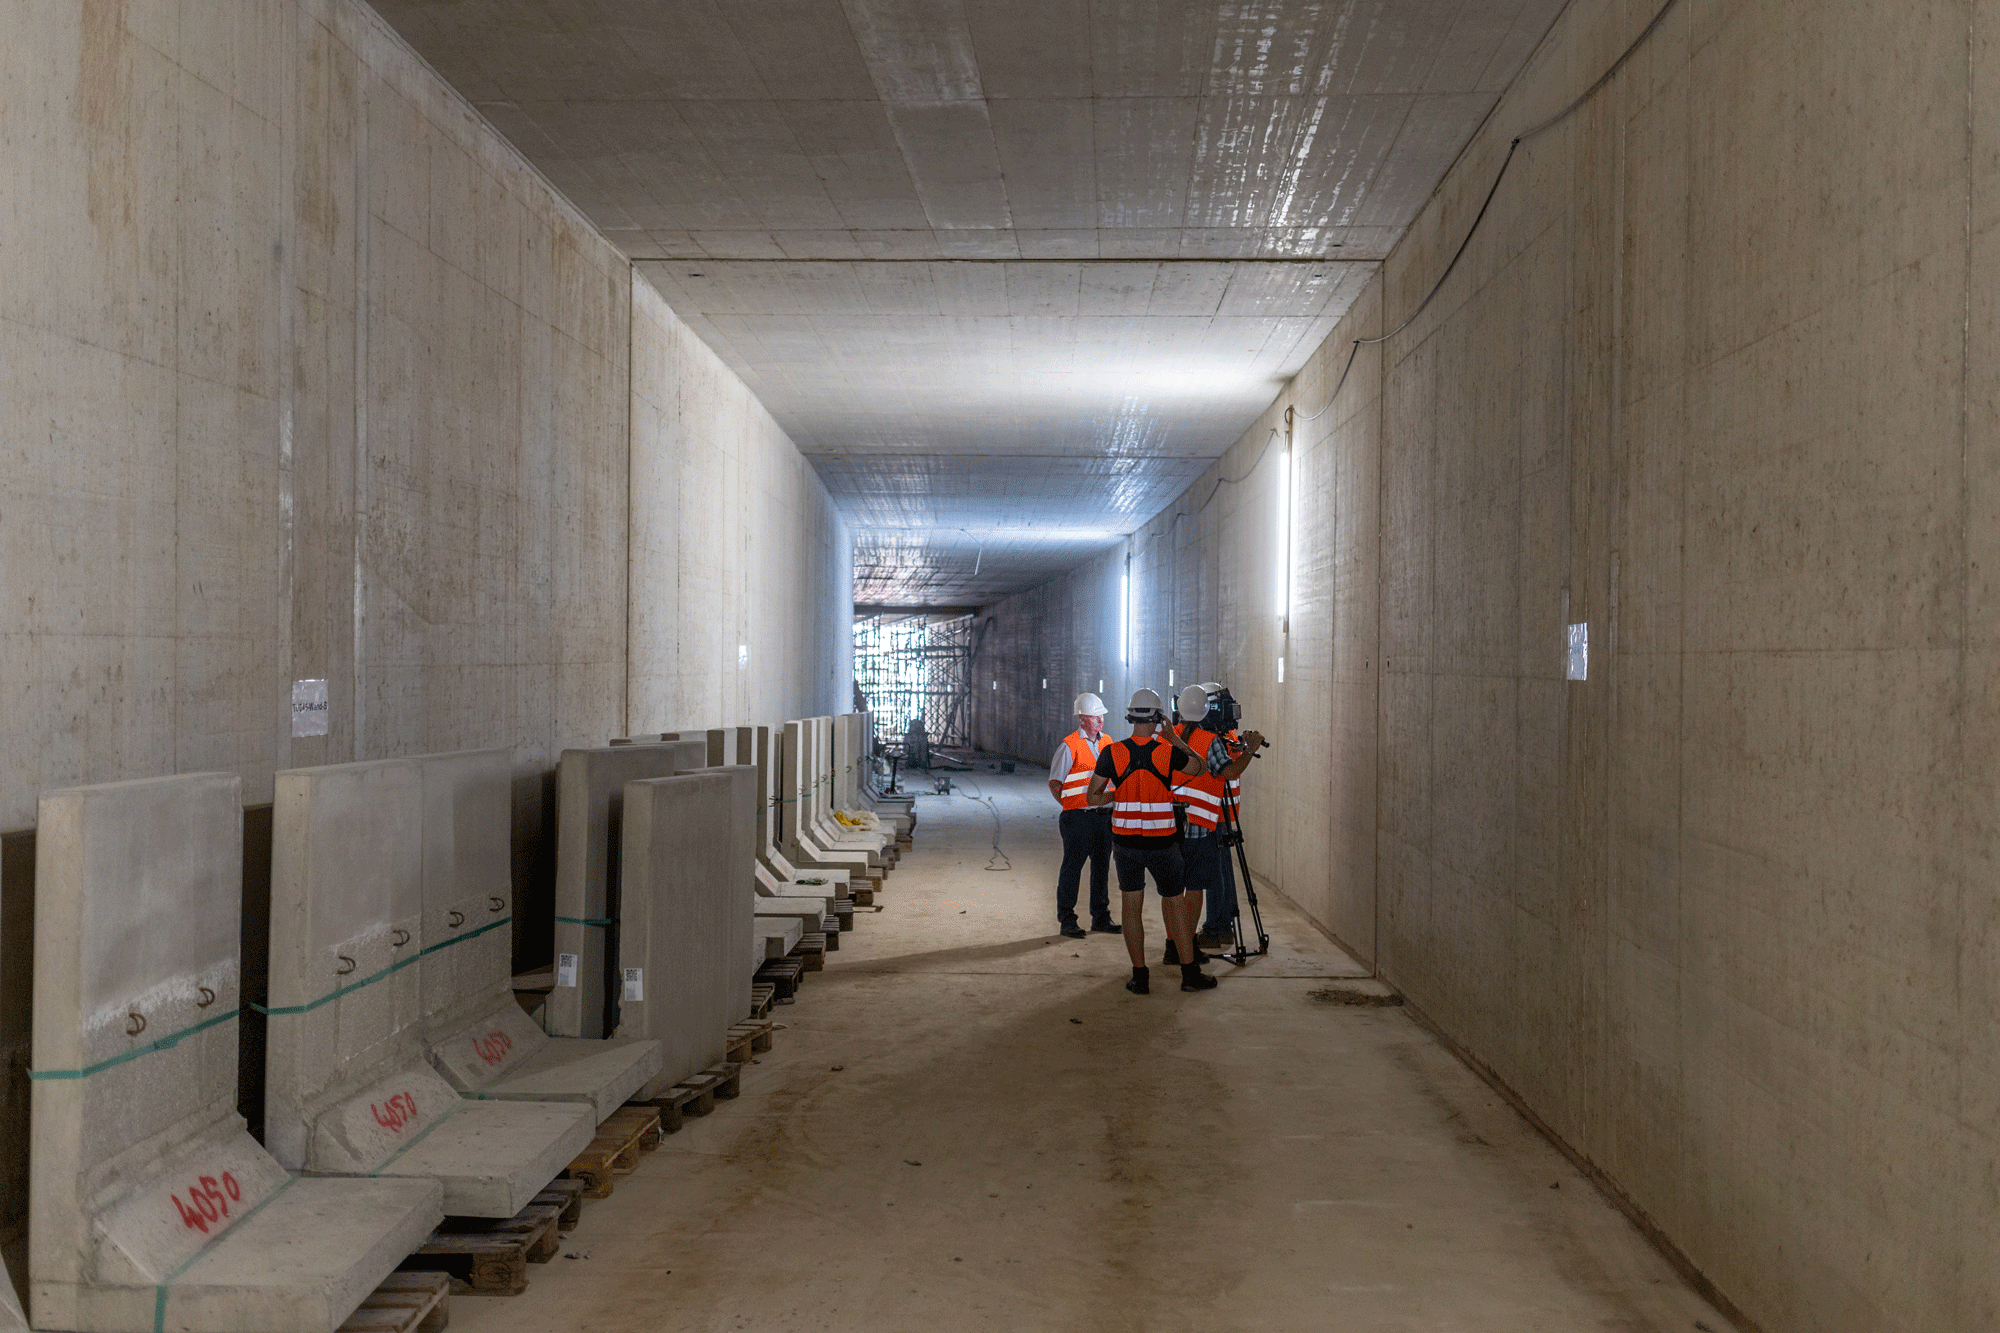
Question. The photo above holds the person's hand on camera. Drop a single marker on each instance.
(1252, 739)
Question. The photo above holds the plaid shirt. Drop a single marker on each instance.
(1219, 758)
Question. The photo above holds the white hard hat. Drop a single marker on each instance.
(1088, 705)
(1146, 706)
(1192, 703)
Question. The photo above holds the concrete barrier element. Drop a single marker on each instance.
(774, 937)
(479, 1038)
(797, 840)
(771, 819)
(590, 798)
(899, 811)
(810, 913)
(732, 745)
(152, 1206)
(683, 922)
(826, 823)
(11, 1315)
(348, 1090)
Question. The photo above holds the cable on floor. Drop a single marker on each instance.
(994, 810)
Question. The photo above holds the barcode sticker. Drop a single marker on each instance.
(565, 969)
(635, 983)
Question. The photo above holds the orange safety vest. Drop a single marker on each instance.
(1202, 791)
(1142, 804)
(1076, 782)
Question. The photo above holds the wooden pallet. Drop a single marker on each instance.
(736, 1047)
(404, 1303)
(784, 975)
(491, 1255)
(829, 926)
(624, 1134)
(697, 1094)
(811, 950)
(758, 1030)
(568, 1196)
(762, 996)
(862, 895)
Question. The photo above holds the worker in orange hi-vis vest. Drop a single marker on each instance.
(1213, 798)
(1086, 833)
(1136, 779)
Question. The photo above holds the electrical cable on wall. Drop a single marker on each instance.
(1480, 216)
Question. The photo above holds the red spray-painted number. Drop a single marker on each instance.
(395, 1113)
(493, 1047)
(211, 1199)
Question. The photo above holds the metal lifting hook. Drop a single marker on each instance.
(343, 971)
(456, 919)
(498, 902)
(402, 938)
(207, 997)
(137, 1025)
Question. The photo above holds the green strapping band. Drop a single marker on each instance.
(160, 1290)
(165, 1043)
(588, 920)
(287, 1010)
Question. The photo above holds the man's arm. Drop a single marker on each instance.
(1251, 740)
(1100, 790)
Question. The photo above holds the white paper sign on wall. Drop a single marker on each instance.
(635, 983)
(1579, 651)
(309, 709)
(565, 969)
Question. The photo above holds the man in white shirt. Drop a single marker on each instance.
(1086, 831)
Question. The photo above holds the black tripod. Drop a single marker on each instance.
(1231, 835)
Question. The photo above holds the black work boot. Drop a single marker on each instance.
(1073, 931)
(1193, 978)
(1140, 983)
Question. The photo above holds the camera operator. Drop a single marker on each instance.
(1086, 833)
(1136, 779)
(1212, 798)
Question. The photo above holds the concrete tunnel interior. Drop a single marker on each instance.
(1570, 428)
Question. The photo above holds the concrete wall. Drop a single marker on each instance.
(307, 374)
(741, 570)
(1717, 378)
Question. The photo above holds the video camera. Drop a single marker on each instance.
(1224, 713)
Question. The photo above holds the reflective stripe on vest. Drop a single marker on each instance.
(1202, 791)
(1141, 803)
(1076, 783)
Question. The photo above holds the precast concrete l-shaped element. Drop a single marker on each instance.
(478, 1036)
(152, 1207)
(590, 804)
(684, 921)
(797, 839)
(366, 959)
(830, 829)
(775, 871)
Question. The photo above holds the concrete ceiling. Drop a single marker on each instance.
(977, 256)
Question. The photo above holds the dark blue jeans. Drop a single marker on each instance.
(1086, 836)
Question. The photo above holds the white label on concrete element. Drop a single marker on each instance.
(742, 656)
(635, 983)
(565, 969)
(309, 708)
(1579, 651)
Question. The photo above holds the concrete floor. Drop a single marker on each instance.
(967, 1123)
